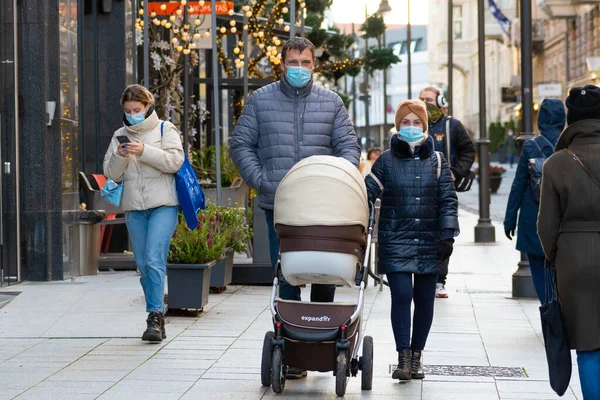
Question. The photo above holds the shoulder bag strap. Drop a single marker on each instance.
(439, 164)
(538, 147)
(547, 141)
(448, 151)
(162, 125)
(577, 160)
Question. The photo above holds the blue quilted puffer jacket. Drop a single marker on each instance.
(418, 209)
(281, 125)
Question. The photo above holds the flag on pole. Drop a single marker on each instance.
(500, 17)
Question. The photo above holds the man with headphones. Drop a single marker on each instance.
(462, 152)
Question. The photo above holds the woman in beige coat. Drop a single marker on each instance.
(569, 229)
(146, 163)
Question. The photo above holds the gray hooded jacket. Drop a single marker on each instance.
(281, 125)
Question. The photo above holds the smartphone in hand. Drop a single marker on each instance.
(123, 139)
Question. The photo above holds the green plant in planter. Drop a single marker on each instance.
(204, 244)
(239, 233)
(204, 162)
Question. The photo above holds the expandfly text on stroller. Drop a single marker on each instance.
(324, 228)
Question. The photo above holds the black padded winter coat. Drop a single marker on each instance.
(418, 209)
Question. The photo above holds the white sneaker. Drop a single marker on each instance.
(440, 291)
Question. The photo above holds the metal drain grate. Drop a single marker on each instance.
(465, 370)
(483, 291)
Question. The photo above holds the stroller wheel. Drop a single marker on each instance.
(265, 365)
(341, 373)
(278, 371)
(366, 364)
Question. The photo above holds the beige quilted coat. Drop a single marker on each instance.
(149, 179)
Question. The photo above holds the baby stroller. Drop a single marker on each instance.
(324, 227)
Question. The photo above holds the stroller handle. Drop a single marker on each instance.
(371, 213)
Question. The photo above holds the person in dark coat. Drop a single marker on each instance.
(511, 147)
(551, 122)
(569, 229)
(417, 226)
(462, 152)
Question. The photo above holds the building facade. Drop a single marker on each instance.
(374, 132)
(62, 70)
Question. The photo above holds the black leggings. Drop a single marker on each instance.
(403, 293)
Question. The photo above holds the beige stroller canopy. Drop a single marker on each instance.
(322, 190)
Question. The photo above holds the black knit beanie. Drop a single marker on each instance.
(583, 103)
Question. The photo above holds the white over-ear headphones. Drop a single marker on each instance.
(440, 99)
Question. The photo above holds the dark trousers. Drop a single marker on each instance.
(318, 293)
(403, 294)
(443, 275)
(538, 274)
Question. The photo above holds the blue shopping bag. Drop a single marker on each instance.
(112, 192)
(189, 191)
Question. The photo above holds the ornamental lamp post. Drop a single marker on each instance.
(384, 8)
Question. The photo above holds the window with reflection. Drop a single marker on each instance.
(67, 111)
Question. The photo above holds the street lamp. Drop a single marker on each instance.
(384, 8)
(522, 283)
(408, 43)
(484, 230)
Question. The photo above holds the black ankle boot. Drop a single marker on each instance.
(416, 369)
(162, 326)
(153, 332)
(402, 371)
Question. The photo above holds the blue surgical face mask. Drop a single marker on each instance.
(411, 134)
(135, 119)
(298, 76)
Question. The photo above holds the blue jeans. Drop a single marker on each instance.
(403, 294)
(318, 293)
(538, 275)
(589, 373)
(150, 232)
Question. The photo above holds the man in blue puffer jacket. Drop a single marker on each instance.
(283, 123)
(551, 122)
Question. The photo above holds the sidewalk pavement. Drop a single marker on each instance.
(80, 340)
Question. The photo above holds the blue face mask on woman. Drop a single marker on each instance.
(411, 134)
(298, 76)
(135, 118)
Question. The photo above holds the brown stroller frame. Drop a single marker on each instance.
(327, 339)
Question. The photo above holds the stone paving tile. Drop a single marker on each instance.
(211, 388)
(166, 374)
(459, 390)
(529, 390)
(8, 394)
(120, 392)
(41, 394)
(73, 374)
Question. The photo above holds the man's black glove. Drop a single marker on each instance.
(509, 234)
(445, 249)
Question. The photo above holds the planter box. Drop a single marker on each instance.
(258, 270)
(188, 285)
(220, 274)
(495, 182)
(230, 196)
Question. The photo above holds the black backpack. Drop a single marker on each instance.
(535, 166)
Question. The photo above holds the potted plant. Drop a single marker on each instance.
(233, 186)
(495, 173)
(192, 255)
(238, 237)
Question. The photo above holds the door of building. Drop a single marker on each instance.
(9, 143)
